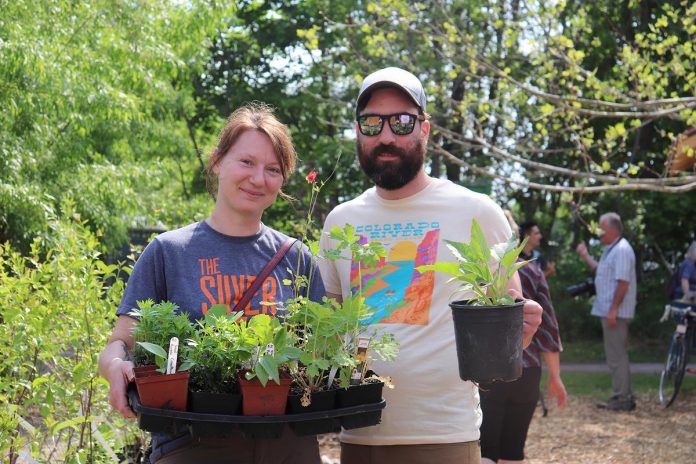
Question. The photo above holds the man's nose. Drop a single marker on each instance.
(387, 136)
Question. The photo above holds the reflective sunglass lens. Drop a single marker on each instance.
(402, 124)
(370, 125)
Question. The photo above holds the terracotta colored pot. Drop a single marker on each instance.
(258, 400)
(163, 391)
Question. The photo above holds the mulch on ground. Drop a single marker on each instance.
(583, 434)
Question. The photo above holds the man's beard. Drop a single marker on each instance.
(394, 174)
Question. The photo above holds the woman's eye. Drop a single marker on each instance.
(274, 170)
(245, 161)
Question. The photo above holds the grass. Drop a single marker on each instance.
(578, 351)
(598, 385)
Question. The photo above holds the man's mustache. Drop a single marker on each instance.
(391, 149)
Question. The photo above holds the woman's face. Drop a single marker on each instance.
(249, 175)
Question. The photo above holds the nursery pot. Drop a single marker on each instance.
(164, 391)
(320, 401)
(489, 341)
(215, 403)
(270, 400)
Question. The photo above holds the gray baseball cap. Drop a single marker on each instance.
(392, 77)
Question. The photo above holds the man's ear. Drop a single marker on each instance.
(425, 129)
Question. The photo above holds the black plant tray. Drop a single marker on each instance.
(202, 424)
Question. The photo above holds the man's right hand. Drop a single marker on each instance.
(120, 375)
(581, 250)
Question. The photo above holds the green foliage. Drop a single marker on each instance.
(57, 311)
(157, 324)
(472, 269)
(220, 347)
(274, 349)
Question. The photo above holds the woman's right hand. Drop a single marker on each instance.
(120, 374)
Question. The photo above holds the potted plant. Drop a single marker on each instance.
(158, 324)
(266, 382)
(488, 323)
(218, 349)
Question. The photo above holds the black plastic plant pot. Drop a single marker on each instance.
(320, 401)
(355, 395)
(214, 403)
(366, 393)
(489, 341)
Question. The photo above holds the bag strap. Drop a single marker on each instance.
(246, 297)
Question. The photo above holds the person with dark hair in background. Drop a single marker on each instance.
(508, 407)
(615, 303)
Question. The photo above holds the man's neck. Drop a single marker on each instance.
(527, 250)
(417, 184)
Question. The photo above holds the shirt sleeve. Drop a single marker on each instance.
(146, 281)
(625, 261)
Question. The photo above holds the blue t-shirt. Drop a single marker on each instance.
(687, 270)
(197, 267)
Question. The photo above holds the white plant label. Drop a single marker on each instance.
(270, 349)
(173, 351)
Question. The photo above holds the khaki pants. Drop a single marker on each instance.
(616, 352)
(446, 453)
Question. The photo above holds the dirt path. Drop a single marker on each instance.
(582, 434)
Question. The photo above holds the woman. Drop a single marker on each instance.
(508, 408)
(687, 276)
(213, 262)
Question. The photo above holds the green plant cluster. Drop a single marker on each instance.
(221, 343)
(56, 313)
(157, 324)
(473, 267)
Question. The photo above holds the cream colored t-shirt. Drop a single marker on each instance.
(430, 403)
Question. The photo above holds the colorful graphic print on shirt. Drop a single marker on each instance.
(400, 294)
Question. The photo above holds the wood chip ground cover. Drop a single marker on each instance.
(583, 434)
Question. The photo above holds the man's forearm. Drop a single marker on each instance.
(620, 293)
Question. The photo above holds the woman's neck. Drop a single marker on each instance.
(234, 225)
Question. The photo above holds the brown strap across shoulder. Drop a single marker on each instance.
(246, 297)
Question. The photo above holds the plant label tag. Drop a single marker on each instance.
(171, 359)
(361, 349)
(355, 377)
(270, 349)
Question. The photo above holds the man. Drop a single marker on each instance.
(431, 415)
(508, 407)
(615, 304)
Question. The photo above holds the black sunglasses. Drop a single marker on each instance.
(399, 123)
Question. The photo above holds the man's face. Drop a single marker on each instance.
(608, 234)
(390, 160)
(534, 238)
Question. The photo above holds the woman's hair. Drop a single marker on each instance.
(252, 116)
(691, 251)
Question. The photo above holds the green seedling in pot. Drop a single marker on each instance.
(161, 357)
(473, 267)
(274, 347)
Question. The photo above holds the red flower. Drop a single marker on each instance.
(311, 177)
